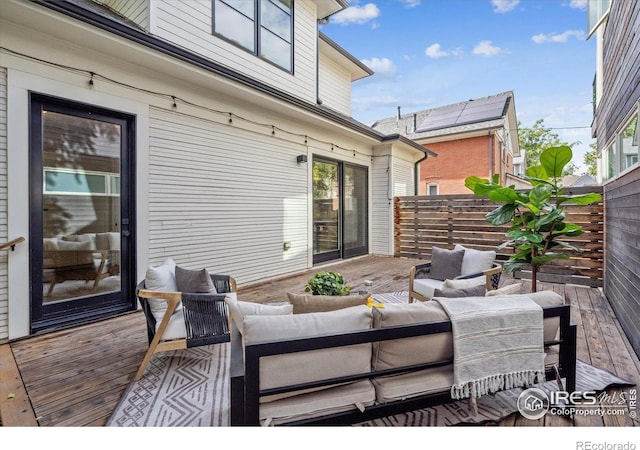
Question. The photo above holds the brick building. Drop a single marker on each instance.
(476, 137)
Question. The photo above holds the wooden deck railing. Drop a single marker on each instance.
(445, 220)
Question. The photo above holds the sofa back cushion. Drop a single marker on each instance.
(307, 303)
(415, 350)
(545, 299)
(294, 368)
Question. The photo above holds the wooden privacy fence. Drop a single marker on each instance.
(445, 220)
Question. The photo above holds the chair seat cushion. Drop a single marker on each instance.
(314, 404)
(426, 286)
(408, 385)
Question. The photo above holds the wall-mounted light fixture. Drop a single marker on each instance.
(301, 159)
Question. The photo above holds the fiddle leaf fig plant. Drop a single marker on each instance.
(537, 216)
(327, 283)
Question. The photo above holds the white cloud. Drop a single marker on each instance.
(412, 3)
(543, 38)
(486, 48)
(356, 14)
(503, 6)
(434, 51)
(578, 4)
(381, 66)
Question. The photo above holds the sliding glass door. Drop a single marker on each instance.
(340, 213)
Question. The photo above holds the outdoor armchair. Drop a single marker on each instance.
(190, 319)
(460, 263)
(422, 273)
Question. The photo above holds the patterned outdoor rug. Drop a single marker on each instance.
(191, 388)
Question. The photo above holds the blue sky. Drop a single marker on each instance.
(430, 53)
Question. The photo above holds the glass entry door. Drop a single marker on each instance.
(340, 213)
(81, 240)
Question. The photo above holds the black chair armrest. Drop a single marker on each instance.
(422, 270)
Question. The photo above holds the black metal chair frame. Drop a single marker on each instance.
(206, 317)
(246, 393)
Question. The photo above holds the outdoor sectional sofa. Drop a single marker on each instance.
(358, 363)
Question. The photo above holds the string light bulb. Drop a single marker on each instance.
(175, 105)
(91, 79)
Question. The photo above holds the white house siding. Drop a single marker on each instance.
(4, 296)
(189, 24)
(382, 205)
(393, 175)
(225, 198)
(403, 176)
(136, 11)
(335, 86)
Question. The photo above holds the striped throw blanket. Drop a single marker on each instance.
(497, 344)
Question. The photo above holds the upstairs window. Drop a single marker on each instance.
(262, 27)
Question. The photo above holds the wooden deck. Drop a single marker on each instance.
(75, 377)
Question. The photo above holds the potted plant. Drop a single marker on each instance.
(537, 215)
(327, 283)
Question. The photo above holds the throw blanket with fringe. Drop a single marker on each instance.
(498, 344)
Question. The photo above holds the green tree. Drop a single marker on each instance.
(591, 160)
(535, 139)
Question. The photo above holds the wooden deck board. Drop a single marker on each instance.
(15, 407)
(76, 377)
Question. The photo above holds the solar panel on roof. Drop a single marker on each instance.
(472, 111)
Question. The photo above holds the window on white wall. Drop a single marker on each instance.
(263, 27)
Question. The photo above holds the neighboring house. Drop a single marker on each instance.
(578, 180)
(616, 27)
(476, 137)
(216, 133)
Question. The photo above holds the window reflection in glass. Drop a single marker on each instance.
(233, 24)
(276, 20)
(81, 207)
(275, 50)
(268, 35)
(629, 145)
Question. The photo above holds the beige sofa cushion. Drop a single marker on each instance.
(238, 310)
(465, 283)
(314, 404)
(510, 289)
(295, 368)
(307, 303)
(551, 324)
(403, 386)
(416, 350)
